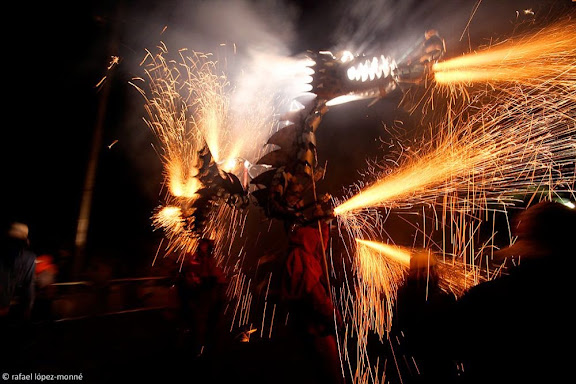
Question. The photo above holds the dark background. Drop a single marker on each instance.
(55, 54)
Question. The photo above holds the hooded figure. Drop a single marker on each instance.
(433, 47)
(516, 328)
(545, 233)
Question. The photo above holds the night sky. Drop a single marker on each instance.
(56, 54)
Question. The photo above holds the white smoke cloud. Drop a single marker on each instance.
(393, 27)
(251, 42)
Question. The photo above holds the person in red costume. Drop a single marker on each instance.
(306, 289)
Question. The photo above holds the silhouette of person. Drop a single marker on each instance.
(430, 50)
(421, 307)
(515, 328)
(17, 268)
(201, 287)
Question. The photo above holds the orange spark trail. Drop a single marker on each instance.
(525, 141)
(546, 56)
(427, 171)
(193, 103)
(380, 269)
(399, 254)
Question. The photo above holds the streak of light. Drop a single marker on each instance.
(399, 254)
(549, 55)
(114, 60)
(344, 99)
(524, 142)
(380, 271)
(470, 19)
(272, 322)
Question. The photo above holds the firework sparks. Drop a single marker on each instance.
(524, 140)
(546, 56)
(378, 282)
(195, 105)
(173, 106)
(381, 270)
(169, 217)
(503, 150)
(503, 144)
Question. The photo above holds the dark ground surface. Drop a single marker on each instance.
(146, 346)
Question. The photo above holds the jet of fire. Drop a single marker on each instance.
(547, 56)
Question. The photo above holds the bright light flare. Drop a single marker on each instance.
(182, 180)
(346, 56)
(169, 217)
(370, 69)
(344, 99)
(228, 165)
